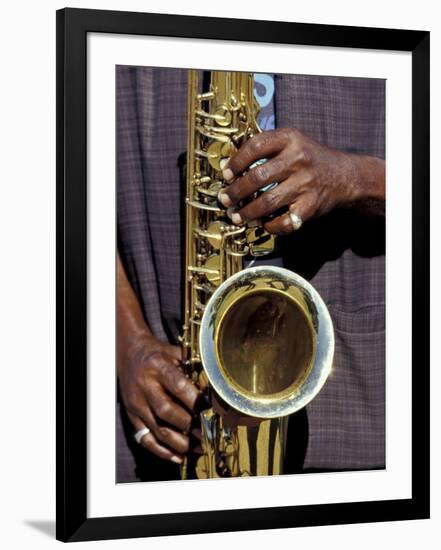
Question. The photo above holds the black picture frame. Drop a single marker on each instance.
(72, 28)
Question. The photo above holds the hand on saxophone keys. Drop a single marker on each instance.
(313, 180)
(161, 402)
(158, 396)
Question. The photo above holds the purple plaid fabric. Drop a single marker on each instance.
(341, 253)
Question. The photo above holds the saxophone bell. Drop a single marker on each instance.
(266, 342)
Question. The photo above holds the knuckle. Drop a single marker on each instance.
(177, 382)
(269, 200)
(257, 143)
(258, 174)
(155, 359)
(290, 134)
(163, 433)
(163, 409)
(306, 182)
(167, 373)
(146, 382)
(180, 382)
(185, 445)
(276, 166)
(303, 156)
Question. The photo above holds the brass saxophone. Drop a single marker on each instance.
(257, 340)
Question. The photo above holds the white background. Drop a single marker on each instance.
(27, 291)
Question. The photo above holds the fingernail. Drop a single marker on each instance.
(223, 163)
(236, 218)
(224, 199)
(231, 211)
(176, 459)
(227, 174)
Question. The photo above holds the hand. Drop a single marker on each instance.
(158, 395)
(313, 179)
(154, 389)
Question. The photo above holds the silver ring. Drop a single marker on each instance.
(140, 434)
(296, 221)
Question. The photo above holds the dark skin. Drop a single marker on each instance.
(313, 180)
(154, 389)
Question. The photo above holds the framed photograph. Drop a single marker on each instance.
(242, 274)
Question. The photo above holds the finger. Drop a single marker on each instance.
(256, 178)
(267, 203)
(150, 443)
(175, 352)
(258, 147)
(175, 440)
(175, 381)
(304, 206)
(166, 409)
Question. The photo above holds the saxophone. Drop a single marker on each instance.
(258, 341)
